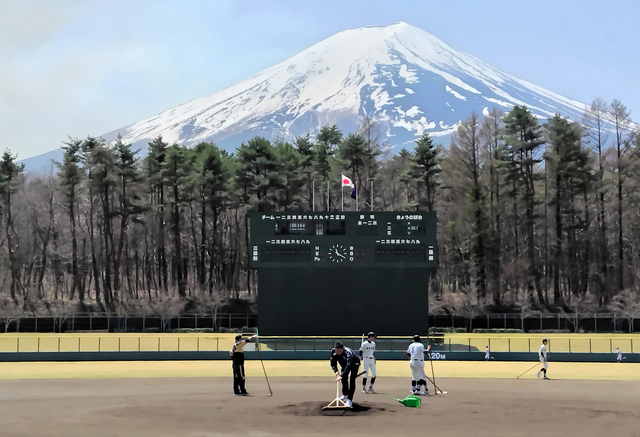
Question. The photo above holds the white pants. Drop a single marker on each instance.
(417, 370)
(369, 363)
(544, 363)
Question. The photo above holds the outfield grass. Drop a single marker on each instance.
(451, 369)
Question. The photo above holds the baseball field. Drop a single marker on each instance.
(193, 399)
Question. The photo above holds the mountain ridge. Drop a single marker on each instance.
(407, 80)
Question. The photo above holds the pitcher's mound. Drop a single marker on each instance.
(315, 409)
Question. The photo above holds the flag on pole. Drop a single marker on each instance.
(346, 182)
(354, 193)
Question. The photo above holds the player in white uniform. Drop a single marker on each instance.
(487, 354)
(542, 355)
(416, 352)
(368, 356)
(619, 353)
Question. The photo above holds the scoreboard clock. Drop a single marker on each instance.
(354, 239)
(343, 273)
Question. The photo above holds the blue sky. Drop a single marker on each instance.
(80, 67)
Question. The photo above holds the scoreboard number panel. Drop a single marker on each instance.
(345, 239)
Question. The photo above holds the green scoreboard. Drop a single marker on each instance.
(342, 273)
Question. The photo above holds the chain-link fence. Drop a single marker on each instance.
(593, 323)
(127, 323)
(570, 323)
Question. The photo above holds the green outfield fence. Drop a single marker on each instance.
(97, 342)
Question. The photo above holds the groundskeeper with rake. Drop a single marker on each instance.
(237, 359)
(416, 352)
(542, 355)
(349, 364)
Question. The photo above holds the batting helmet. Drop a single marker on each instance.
(416, 338)
(371, 334)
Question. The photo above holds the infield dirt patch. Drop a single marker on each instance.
(204, 407)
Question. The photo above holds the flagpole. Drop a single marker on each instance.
(313, 195)
(342, 193)
(328, 195)
(371, 195)
(355, 185)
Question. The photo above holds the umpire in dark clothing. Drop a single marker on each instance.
(237, 359)
(349, 364)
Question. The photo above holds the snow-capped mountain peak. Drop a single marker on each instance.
(404, 78)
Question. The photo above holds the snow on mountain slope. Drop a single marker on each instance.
(403, 77)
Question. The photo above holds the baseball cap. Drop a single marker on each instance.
(338, 345)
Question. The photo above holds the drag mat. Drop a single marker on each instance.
(315, 409)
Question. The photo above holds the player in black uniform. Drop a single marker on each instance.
(237, 359)
(349, 364)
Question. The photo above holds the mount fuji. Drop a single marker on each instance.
(405, 79)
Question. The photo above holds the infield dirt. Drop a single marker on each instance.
(204, 407)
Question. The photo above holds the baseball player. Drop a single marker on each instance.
(619, 354)
(368, 356)
(487, 353)
(542, 355)
(349, 364)
(237, 359)
(416, 352)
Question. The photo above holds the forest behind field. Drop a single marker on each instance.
(532, 215)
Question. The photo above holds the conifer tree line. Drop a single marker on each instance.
(532, 215)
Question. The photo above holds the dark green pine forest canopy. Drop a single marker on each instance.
(532, 216)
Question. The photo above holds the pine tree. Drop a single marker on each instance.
(98, 166)
(351, 157)
(153, 164)
(326, 142)
(257, 175)
(212, 179)
(128, 181)
(257, 181)
(371, 164)
(424, 170)
(289, 168)
(491, 135)
(621, 118)
(70, 176)
(10, 174)
(398, 191)
(176, 174)
(305, 148)
(596, 120)
(569, 165)
(523, 137)
(466, 157)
